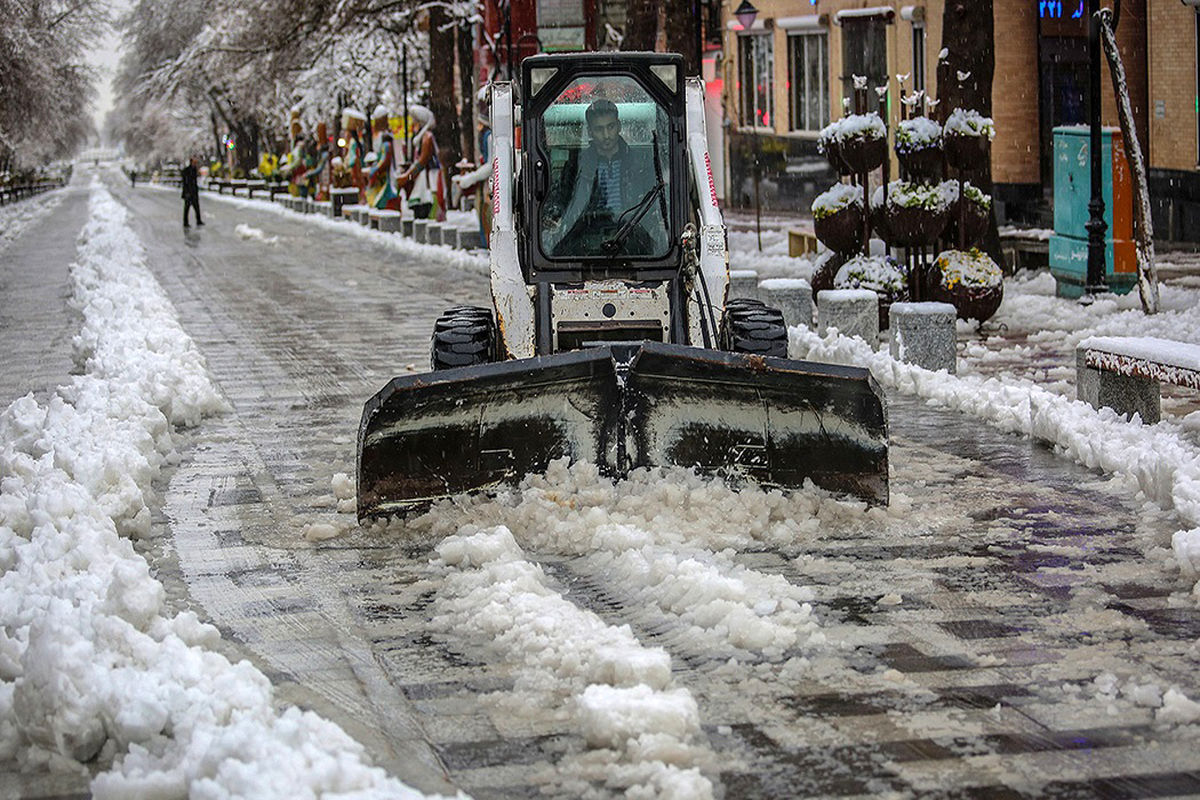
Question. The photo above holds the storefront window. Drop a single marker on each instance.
(756, 57)
(808, 74)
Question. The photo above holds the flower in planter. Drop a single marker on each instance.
(856, 126)
(881, 274)
(838, 217)
(918, 133)
(969, 269)
(967, 122)
(913, 194)
(837, 198)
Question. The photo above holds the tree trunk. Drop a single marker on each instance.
(441, 86)
(680, 28)
(969, 37)
(466, 89)
(641, 25)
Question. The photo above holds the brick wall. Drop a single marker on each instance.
(1172, 64)
(1016, 150)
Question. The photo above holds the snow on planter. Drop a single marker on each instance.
(860, 140)
(974, 214)
(92, 668)
(970, 123)
(881, 274)
(915, 213)
(918, 133)
(967, 137)
(838, 217)
(919, 146)
(970, 280)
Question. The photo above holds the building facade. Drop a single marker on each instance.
(785, 78)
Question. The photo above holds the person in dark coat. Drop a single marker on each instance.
(191, 192)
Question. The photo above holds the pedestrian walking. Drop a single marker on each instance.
(133, 178)
(191, 192)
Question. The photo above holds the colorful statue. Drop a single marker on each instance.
(423, 181)
(380, 185)
(353, 122)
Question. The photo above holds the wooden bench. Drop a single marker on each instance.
(801, 243)
(1124, 373)
(1025, 249)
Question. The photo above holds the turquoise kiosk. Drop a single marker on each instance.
(1072, 192)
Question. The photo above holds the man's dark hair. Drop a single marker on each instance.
(600, 108)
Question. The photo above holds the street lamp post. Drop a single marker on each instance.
(745, 14)
(1096, 226)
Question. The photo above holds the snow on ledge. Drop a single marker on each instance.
(1165, 352)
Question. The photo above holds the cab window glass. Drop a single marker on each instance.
(609, 172)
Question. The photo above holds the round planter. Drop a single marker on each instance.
(826, 270)
(864, 153)
(975, 220)
(915, 226)
(841, 231)
(923, 164)
(969, 153)
(971, 302)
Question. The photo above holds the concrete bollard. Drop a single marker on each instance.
(343, 199)
(924, 334)
(469, 239)
(323, 207)
(420, 228)
(388, 220)
(743, 283)
(792, 296)
(854, 312)
(406, 226)
(433, 232)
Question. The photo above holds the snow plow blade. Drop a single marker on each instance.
(769, 421)
(772, 421)
(442, 433)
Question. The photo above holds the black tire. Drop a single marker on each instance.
(748, 326)
(463, 337)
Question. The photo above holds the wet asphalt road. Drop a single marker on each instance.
(1022, 577)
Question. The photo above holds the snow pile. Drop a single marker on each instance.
(246, 232)
(401, 244)
(1171, 707)
(1165, 465)
(15, 218)
(91, 668)
(620, 690)
(666, 540)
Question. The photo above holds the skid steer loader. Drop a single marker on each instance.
(611, 337)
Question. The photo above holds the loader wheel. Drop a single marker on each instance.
(748, 326)
(462, 337)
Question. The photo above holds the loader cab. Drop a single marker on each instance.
(603, 166)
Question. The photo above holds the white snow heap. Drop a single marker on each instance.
(91, 665)
(918, 133)
(968, 122)
(839, 196)
(968, 268)
(878, 273)
(621, 692)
